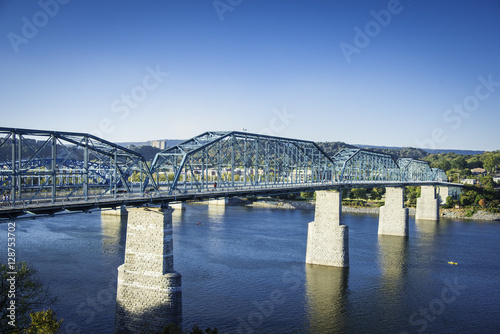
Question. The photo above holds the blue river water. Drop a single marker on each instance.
(243, 271)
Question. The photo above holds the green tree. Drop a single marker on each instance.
(44, 322)
(459, 162)
(468, 197)
(449, 202)
(444, 165)
(474, 162)
(487, 182)
(306, 195)
(29, 295)
(478, 198)
(376, 193)
(465, 172)
(490, 162)
(358, 193)
(411, 195)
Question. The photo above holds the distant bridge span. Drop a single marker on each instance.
(43, 172)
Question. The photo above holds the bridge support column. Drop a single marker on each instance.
(178, 206)
(393, 216)
(427, 204)
(442, 193)
(327, 239)
(223, 201)
(149, 294)
(122, 212)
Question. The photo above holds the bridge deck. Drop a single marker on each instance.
(40, 206)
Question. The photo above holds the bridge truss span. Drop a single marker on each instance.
(48, 166)
(224, 160)
(48, 171)
(357, 165)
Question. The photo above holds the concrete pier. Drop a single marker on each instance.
(393, 217)
(121, 212)
(442, 194)
(223, 201)
(327, 239)
(178, 206)
(149, 294)
(427, 204)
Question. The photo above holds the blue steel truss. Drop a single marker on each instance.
(38, 165)
(39, 168)
(223, 160)
(357, 165)
(230, 160)
(361, 166)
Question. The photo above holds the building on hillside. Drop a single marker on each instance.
(478, 171)
(161, 144)
(469, 181)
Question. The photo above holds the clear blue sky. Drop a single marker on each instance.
(143, 70)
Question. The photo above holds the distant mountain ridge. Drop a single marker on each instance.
(330, 148)
(430, 151)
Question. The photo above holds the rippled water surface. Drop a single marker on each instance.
(243, 271)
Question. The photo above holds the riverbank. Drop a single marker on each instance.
(309, 205)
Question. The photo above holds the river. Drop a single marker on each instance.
(243, 271)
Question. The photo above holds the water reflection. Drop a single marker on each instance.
(178, 214)
(427, 228)
(427, 232)
(391, 297)
(216, 212)
(326, 289)
(392, 257)
(114, 231)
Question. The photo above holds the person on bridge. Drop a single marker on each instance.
(215, 185)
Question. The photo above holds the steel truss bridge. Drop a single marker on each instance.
(43, 172)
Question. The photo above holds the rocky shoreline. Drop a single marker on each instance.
(309, 205)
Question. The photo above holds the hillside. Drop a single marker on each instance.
(461, 152)
(331, 148)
